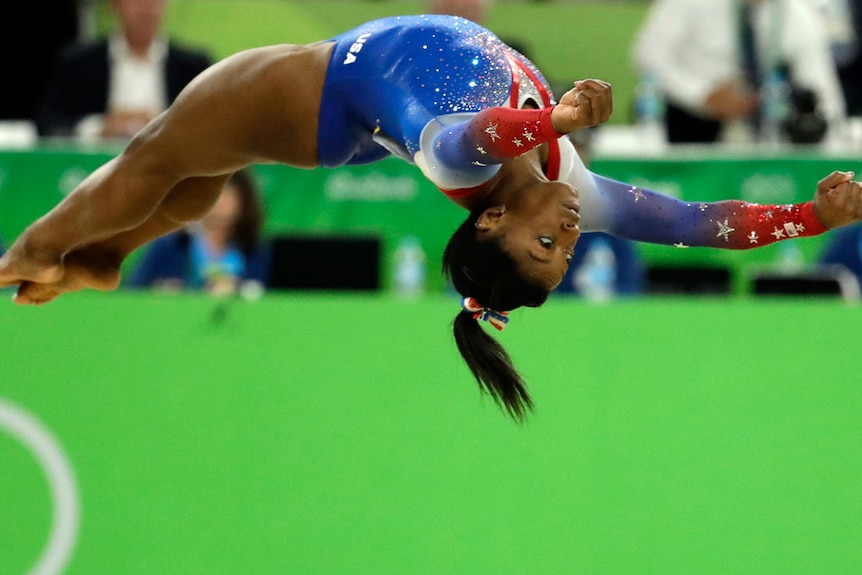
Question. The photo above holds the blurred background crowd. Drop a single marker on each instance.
(783, 76)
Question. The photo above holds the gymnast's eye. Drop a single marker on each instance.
(545, 242)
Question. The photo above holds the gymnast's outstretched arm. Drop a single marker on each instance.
(644, 215)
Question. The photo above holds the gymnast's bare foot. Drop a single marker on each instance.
(43, 279)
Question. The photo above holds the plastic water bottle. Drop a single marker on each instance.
(409, 267)
(775, 102)
(790, 257)
(595, 280)
(649, 113)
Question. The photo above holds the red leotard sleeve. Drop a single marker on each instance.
(493, 135)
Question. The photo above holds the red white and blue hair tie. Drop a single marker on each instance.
(498, 319)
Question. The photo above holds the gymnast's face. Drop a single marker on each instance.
(539, 229)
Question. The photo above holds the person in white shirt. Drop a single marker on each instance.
(695, 51)
(110, 88)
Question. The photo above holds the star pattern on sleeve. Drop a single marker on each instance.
(491, 130)
(496, 134)
(724, 230)
(725, 224)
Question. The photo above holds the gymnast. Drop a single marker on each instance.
(474, 115)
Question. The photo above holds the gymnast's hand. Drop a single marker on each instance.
(42, 279)
(589, 103)
(838, 200)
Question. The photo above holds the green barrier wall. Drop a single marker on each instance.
(331, 435)
(391, 199)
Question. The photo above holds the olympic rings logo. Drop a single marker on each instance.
(39, 440)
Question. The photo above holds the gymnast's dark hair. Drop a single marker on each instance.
(481, 269)
(248, 228)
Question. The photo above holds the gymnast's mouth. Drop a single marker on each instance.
(572, 213)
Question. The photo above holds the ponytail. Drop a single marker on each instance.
(491, 366)
(481, 269)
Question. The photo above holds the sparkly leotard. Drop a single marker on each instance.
(447, 95)
(390, 78)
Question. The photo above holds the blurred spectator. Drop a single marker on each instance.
(710, 58)
(221, 253)
(111, 87)
(477, 11)
(845, 248)
(46, 26)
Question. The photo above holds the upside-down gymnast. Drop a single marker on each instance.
(476, 117)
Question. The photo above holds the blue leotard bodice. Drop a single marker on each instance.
(389, 78)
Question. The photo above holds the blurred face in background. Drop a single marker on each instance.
(141, 19)
(475, 10)
(219, 223)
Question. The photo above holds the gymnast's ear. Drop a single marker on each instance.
(490, 217)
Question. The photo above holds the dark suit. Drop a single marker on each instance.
(79, 84)
(47, 26)
(850, 73)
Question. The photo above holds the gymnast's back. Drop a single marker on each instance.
(388, 78)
